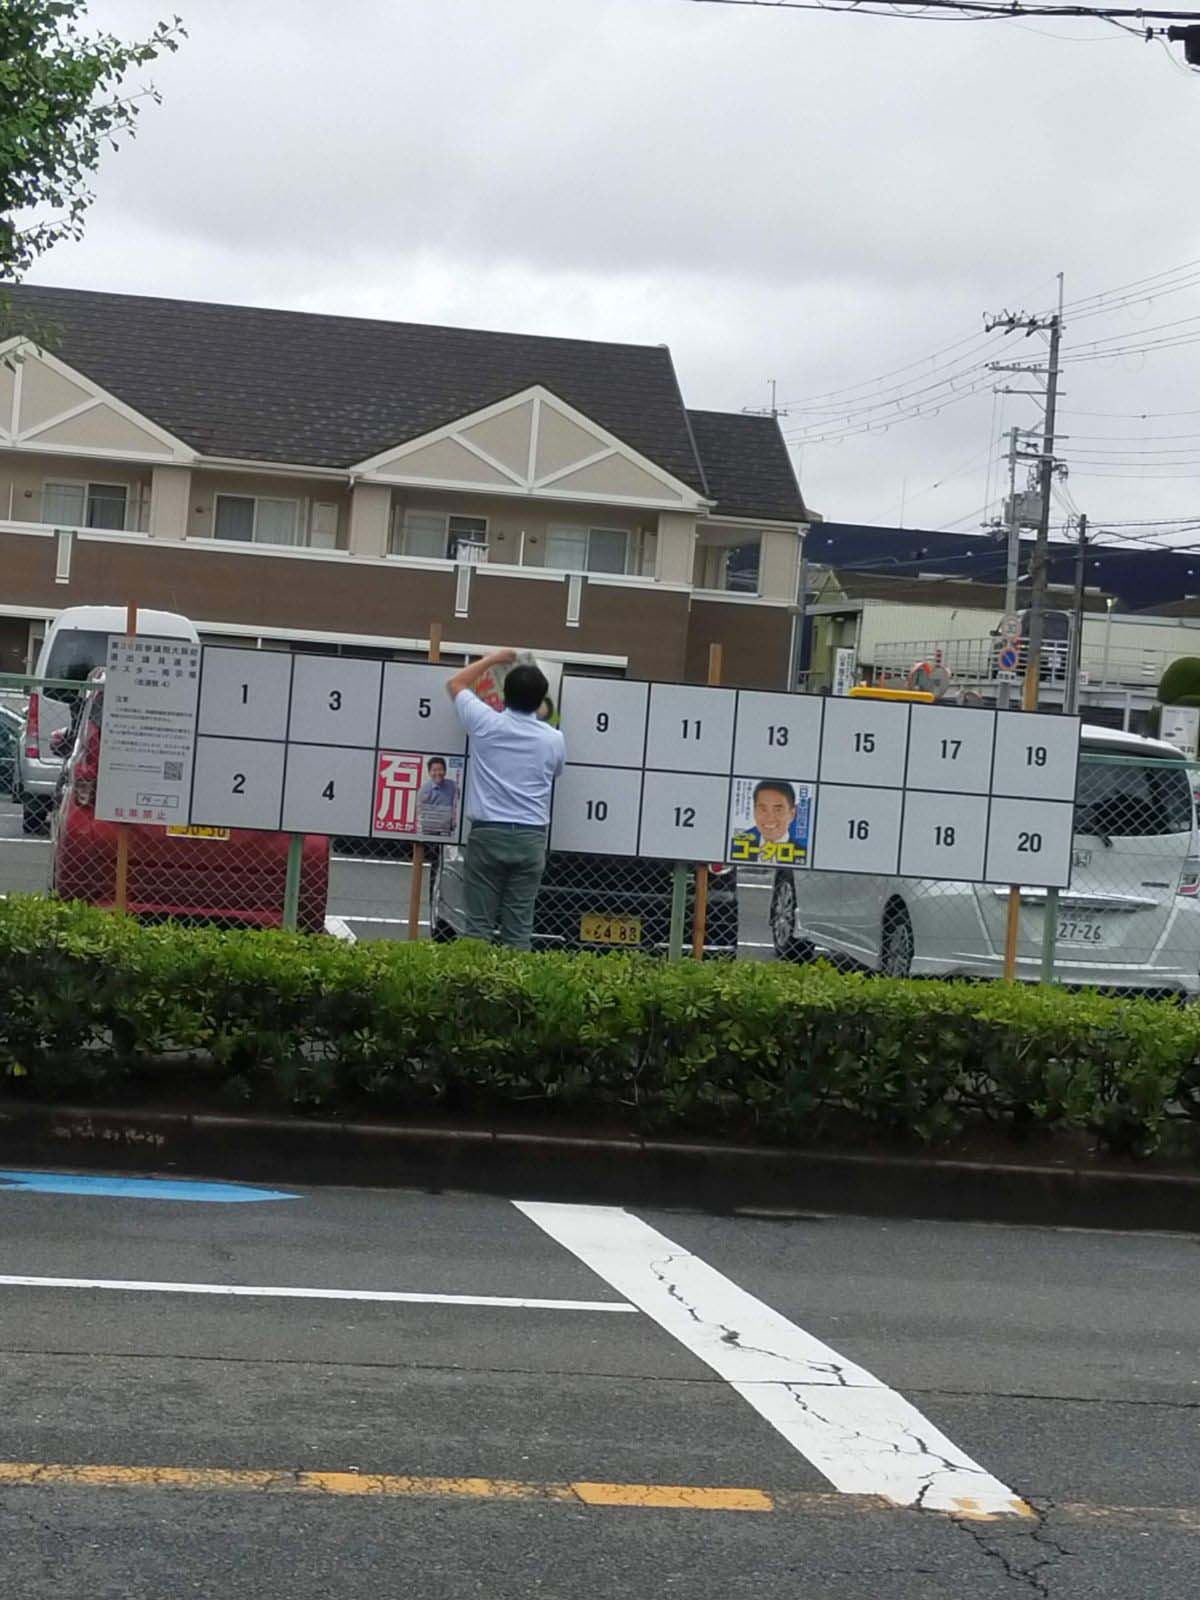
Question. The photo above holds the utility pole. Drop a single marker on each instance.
(1039, 569)
(1075, 659)
(1012, 569)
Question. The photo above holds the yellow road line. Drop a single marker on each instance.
(649, 1496)
(643, 1496)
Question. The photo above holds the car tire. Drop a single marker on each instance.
(783, 922)
(35, 815)
(897, 945)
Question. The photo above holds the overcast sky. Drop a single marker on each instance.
(814, 198)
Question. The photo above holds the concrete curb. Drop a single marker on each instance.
(720, 1178)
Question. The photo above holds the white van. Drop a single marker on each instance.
(75, 645)
(1130, 920)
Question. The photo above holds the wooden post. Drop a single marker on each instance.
(418, 850)
(121, 887)
(700, 905)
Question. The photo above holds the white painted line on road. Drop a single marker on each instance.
(336, 927)
(863, 1436)
(271, 1292)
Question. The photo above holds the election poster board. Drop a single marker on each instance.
(227, 737)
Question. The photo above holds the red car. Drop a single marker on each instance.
(232, 876)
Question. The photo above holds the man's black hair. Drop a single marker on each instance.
(439, 761)
(779, 785)
(525, 688)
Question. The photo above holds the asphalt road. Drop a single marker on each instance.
(567, 1444)
(369, 897)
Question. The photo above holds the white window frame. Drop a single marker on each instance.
(575, 529)
(399, 538)
(88, 485)
(299, 542)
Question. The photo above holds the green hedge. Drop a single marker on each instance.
(89, 1002)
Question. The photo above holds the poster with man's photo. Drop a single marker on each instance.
(418, 797)
(770, 822)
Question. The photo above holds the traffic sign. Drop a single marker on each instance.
(1009, 626)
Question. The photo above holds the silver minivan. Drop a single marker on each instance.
(76, 643)
(1130, 919)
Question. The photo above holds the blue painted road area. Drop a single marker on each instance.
(139, 1188)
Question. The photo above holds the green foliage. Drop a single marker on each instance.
(60, 103)
(1180, 685)
(744, 1050)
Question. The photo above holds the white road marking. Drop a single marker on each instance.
(396, 922)
(863, 1436)
(337, 929)
(271, 1292)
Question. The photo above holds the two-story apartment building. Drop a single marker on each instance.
(337, 483)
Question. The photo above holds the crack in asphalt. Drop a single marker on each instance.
(566, 1372)
(1034, 1575)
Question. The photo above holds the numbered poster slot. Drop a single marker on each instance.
(690, 729)
(328, 789)
(864, 742)
(1029, 843)
(858, 830)
(943, 835)
(335, 701)
(237, 783)
(950, 748)
(683, 816)
(1037, 756)
(416, 712)
(604, 721)
(596, 811)
(244, 693)
(778, 733)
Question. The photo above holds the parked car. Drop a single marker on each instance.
(12, 725)
(75, 645)
(596, 903)
(229, 876)
(1130, 920)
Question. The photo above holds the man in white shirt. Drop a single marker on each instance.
(515, 758)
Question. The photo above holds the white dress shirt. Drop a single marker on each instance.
(514, 760)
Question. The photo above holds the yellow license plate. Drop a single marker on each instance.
(181, 832)
(595, 929)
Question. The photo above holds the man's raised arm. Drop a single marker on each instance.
(470, 675)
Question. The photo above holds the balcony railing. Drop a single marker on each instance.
(82, 507)
(977, 661)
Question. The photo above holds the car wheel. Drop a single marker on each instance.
(897, 945)
(35, 815)
(783, 921)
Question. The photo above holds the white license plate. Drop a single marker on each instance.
(1080, 930)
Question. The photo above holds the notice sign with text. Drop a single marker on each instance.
(148, 735)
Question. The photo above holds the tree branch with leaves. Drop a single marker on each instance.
(62, 99)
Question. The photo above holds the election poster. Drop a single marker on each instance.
(770, 822)
(418, 797)
(490, 688)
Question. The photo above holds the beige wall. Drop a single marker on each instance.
(207, 483)
(676, 547)
(170, 499)
(24, 472)
(778, 565)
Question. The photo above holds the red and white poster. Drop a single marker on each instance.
(418, 797)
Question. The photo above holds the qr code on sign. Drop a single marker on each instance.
(173, 771)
